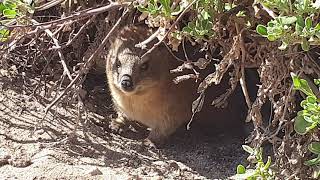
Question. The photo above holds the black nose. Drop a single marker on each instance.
(126, 82)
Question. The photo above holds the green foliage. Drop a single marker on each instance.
(308, 119)
(287, 7)
(10, 11)
(261, 171)
(296, 24)
(314, 147)
(4, 33)
(200, 27)
(160, 8)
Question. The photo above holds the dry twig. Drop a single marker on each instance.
(87, 64)
(63, 61)
(170, 29)
(77, 16)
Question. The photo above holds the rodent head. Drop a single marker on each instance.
(129, 72)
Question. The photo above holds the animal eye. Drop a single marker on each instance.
(144, 66)
(118, 64)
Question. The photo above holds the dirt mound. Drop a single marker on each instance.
(33, 147)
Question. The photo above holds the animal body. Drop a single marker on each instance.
(143, 89)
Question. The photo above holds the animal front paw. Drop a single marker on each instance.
(149, 144)
(117, 125)
(155, 139)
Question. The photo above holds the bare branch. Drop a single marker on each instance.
(143, 44)
(170, 29)
(76, 16)
(89, 62)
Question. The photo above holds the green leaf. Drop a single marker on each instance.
(316, 81)
(262, 30)
(8, 13)
(317, 28)
(271, 24)
(10, 4)
(311, 99)
(286, 20)
(205, 15)
(302, 85)
(248, 149)
(309, 120)
(191, 25)
(142, 9)
(304, 105)
(186, 29)
(4, 32)
(2, 7)
(312, 162)
(295, 79)
(271, 37)
(313, 126)
(241, 169)
(298, 28)
(267, 165)
(166, 6)
(152, 9)
(315, 118)
(301, 125)
(314, 147)
(305, 45)
(308, 23)
(300, 21)
(177, 11)
(249, 173)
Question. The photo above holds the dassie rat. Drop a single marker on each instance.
(143, 89)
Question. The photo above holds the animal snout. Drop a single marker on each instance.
(126, 82)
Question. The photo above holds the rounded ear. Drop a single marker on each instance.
(115, 35)
(112, 38)
(163, 49)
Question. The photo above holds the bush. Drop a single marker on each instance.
(275, 38)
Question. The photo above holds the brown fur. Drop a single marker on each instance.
(156, 101)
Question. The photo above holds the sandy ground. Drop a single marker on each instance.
(34, 146)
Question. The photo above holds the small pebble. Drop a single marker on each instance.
(20, 161)
(95, 172)
(4, 157)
